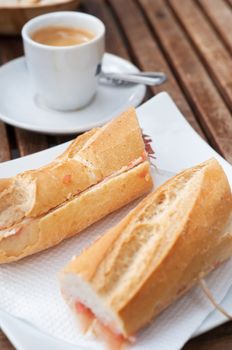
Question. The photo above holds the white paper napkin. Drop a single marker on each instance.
(29, 289)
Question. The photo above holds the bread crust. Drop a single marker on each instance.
(87, 161)
(36, 234)
(125, 144)
(172, 238)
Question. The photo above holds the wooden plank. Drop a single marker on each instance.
(147, 54)
(4, 342)
(116, 42)
(212, 112)
(220, 15)
(4, 144)
(219, 338)
(64, 138)
(212, 51)
(114, 39)
(28, 142)
(10, 47)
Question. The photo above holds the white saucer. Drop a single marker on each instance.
(21, 107)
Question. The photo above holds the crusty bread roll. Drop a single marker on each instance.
(36, 234)
(87, 161)
(155, 254)
(99, 172)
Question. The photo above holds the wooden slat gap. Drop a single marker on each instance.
(30, 142)
(123, 35)
(185, 63)
(215, 29)
(151, 57)
(14, 152)
(185, 32)
(174, 72)
(131, 57)
(60, 139)
(158, 42)
(201, 57)
(179, 80)
(115, 41)
(216, 339)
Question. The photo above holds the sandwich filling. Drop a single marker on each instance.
(93, 315)
(158, 244)
(89, 322)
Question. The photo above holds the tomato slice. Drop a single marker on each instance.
(85, 316)
(104, 333)
(112, 340)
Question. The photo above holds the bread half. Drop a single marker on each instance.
(32, 235)
(88, 160)
(155, 254)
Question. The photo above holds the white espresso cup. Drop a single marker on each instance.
(65, 77)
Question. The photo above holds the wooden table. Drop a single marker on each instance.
(191, 41)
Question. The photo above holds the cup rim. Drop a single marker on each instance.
(26, 27)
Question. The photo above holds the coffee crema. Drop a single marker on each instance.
(62, 36)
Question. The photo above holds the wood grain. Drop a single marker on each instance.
(147, 54)
(114, 40)
(13, 18)
(219, 338)
(209, 46)
(4, 144)
(220, 15)
(4, 343)
(27, 141)
(62, 138)
(211, 110)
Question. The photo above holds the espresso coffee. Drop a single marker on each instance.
(62, 36)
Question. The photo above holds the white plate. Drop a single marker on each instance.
(22, 107)
(177, 146)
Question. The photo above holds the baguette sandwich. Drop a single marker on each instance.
(100, 171)
(175, 236)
